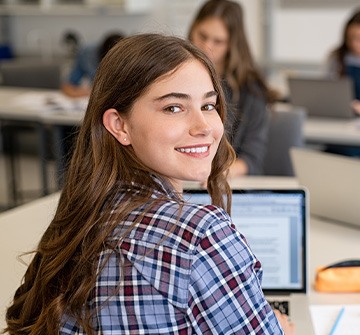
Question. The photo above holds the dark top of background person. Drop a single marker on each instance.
(344, 61)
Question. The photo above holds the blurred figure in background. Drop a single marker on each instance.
(345, 59)
(71, 41)
(84, 68)
(218, 29)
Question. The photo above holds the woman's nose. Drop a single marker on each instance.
(200, 126)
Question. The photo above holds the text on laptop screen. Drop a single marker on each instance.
(273, 223)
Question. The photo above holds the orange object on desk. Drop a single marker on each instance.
(339, 277)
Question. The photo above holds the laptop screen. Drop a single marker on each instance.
(322, 97)
(274, 224)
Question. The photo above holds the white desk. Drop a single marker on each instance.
(331, 242)
(332, 131)
(40, 105)
(327, 130)
(21, 228)
(20, 231)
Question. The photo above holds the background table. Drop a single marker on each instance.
(46, 111)
(332, 131)
(327, 130)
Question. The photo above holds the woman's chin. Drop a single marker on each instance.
(201, 175)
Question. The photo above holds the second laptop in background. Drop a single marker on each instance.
(333, 182)
(322, 97)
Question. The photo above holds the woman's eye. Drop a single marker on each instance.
(209, 107)
(172, 109)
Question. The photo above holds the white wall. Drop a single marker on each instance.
(49, 30)
(163, 16)
(296, 34)
(301, 38)
(307, 33)
(32, 34)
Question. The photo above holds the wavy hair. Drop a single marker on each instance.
(240, 69)
(60, 278)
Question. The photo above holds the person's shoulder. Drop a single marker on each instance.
(204, 215)
(195, 220)
(179, 225)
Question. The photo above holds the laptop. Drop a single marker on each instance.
(274, 223)
(322, 97)
(333, 182)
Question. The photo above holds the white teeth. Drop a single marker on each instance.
(193, 150)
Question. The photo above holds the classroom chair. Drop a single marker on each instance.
(286, 131)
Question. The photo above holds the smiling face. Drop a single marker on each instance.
(174, 127)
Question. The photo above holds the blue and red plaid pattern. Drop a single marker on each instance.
(191, 273)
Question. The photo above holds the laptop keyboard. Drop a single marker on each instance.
(282, 306)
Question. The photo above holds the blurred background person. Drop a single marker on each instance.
(84, 68)
(345, 59)
(218, 29)
(71, 41)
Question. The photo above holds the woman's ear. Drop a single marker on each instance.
(116, 126)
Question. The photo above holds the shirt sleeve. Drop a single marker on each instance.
(225, 287)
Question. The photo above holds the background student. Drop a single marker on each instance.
(218, 29)
(345, 59)
(125, 253)
(84, 68)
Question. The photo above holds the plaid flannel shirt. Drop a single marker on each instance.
(191, 273)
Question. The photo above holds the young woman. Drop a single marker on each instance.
(218, 29)
(125, 254)
(345, 59)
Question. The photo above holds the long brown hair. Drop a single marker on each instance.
(340, 52)
(62, 274)
(240, 68)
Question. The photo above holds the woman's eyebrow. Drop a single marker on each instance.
(173, 95)
(185, 96)
(210, 94)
